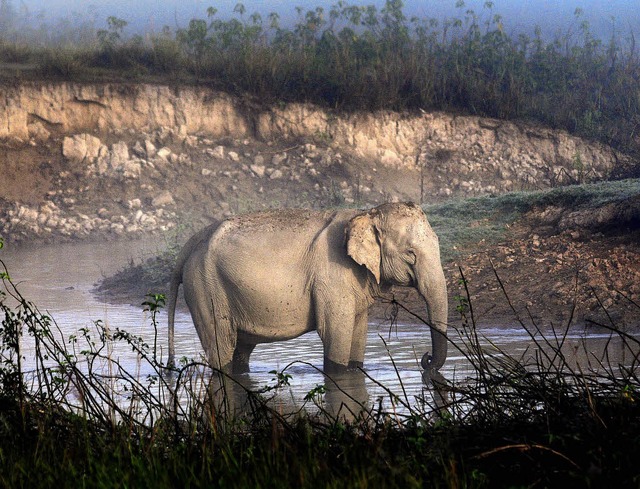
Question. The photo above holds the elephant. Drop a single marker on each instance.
(274, 275)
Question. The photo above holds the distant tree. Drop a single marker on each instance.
(195, 41)
(112, 36)
(7, 16)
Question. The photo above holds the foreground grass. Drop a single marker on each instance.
(361, 58)
(579, 445)
(532, 421)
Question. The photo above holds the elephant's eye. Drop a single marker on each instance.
(411, 257)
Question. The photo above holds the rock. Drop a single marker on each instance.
(81, 147)
(132, 204)
(278, 159)
(233, 156)
(163, 153)
(191, 141)
(258, 160)
(117, 228)
(276, 175)
(38, 131)
(206, 172)
(259, 170)
(102, 164)
(218, 152)
(390, 158)
(27, 214)
(119, 154)
(150, 148)
(162, 199)
(310, 150)
(139, 150)
(131, 169)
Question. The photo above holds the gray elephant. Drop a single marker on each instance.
(272, 276)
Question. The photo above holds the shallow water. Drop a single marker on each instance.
(59, 279)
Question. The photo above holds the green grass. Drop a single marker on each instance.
(364, 58)
(466, 222)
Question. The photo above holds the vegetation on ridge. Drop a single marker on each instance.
(363, 58)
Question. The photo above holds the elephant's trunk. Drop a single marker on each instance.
(434, 291)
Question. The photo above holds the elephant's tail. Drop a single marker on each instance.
(176, 280)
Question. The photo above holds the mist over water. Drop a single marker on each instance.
(147, 16)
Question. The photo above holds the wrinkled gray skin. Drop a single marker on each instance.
(273, 276)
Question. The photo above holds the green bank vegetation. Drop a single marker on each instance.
(466, 222)
(360, 58)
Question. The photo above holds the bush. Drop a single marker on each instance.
(63, 63)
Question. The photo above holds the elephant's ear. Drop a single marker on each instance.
(362, 243)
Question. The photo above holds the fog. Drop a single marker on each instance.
(143, 16)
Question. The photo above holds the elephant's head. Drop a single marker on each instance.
(397, 245)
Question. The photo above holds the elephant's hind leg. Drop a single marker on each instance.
(210, 314)
(241, 355)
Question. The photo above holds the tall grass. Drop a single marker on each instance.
(78, 416)
(364, 58)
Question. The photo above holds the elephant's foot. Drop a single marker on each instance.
(355, 365)
(333, 367)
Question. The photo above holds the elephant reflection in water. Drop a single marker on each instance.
(346, 396)
(275, 275)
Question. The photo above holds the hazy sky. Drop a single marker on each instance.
(518, 15)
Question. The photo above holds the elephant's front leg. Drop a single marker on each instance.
(336, 325)
(359, 340)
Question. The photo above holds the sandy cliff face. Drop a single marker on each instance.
(30, 110)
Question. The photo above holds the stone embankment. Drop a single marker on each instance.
(127, 159)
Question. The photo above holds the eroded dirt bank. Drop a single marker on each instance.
(103, 162)
(109, 160)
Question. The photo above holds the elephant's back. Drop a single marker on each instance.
(288, 221)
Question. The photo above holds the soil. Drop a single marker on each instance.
(538, 274)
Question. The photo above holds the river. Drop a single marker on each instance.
(60, 280)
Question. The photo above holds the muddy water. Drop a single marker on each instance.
(59, 280)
